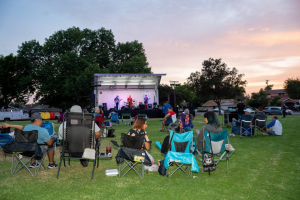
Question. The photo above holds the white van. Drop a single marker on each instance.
(14, 115)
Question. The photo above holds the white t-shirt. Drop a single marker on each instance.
(277, 128)
(60, 131)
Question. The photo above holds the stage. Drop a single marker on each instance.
(151, 113)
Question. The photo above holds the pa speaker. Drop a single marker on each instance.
(104, 106)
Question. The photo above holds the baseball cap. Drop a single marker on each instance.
(36, 116)
(248, 110)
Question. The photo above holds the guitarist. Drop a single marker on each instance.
(117, 100)
(146, 99)
(129, 101)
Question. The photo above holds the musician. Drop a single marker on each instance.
(146, 99)
(117, 100)
(129, 101)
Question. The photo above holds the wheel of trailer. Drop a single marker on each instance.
(6, 119)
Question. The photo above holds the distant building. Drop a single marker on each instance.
(284, 98)
(40, 108)
(225, 104)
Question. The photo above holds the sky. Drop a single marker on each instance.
(259, 38)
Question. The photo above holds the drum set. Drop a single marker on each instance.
(126, 104)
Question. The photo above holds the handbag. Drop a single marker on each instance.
(208, 160)
(88, 153)
(162, 169)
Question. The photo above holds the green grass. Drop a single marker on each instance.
(263, 167)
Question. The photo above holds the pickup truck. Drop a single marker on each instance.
(14, 115)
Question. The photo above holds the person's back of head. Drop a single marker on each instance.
(275, 117)
(139, 124)
(260, 108)
(212, 118)
(174, 127)
(170, 108)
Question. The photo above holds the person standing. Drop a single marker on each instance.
(283, 110)
(117, 100)
(184, 104)
(240, 109)
(146, 99)
(129, 101)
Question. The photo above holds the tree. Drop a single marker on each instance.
(66, 63)
(275, 101)
(260, 98)
(16, 80)
(129, 57)
(292, 87)
(216, 81)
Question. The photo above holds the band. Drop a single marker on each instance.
(129, 102)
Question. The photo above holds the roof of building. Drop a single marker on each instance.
(276, 91)
(223, 101)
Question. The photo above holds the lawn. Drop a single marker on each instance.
(263, 167)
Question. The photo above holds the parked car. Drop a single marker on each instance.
(272, 110)
(289, 112)
(216, 110)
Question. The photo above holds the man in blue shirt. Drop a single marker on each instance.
(165, 107)
(117, 100)
(146, 99)
(275, 127)
(43, 138)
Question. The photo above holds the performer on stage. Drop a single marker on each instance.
(146, 99)
(117, 100)
(129, 101)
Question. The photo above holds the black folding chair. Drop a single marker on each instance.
(78, 135)
(260, 124)
(130, 152)
(25, 145)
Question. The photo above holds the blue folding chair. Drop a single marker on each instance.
(245, 127)
(181, 154)
(218, 142)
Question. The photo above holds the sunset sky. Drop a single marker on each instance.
(261, 38)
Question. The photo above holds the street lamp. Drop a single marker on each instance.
(174, 84)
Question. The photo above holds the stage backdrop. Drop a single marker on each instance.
(108, 96)
(108, 86)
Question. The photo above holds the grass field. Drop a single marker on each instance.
(263, 167)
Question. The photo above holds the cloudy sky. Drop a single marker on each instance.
(261, 38)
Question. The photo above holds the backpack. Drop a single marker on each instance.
(208, 160)
(5, 139)
(162, 169)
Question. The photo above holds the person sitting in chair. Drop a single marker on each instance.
(259, 113)
(212, 124)
(78, 109)
(6, 129)
(139, 128)
(43, 138)
(186, 121)
(114, 116)
(165, 146)
(275, 127)
(238, 122)
(168, 118)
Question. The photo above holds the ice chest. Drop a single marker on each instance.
(111, 172)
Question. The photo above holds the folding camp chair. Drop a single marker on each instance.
(141, 115)
(181, 154)
(260, 124)
(78, 135)
(25, 145)
(245, 126)
(114, 119)
(126, 118)
(218, 142)
(130, 152)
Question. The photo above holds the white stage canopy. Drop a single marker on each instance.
(108, 86)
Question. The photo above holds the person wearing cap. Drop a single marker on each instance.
(186, 121)
(237, 122)
(240, 109)
(43, 138)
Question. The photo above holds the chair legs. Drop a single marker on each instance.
(179, 166)
(14, 170)
(132, 166)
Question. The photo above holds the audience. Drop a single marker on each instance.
(240, 109)
(259, 113)
(274, 127)
(113, 119)
(6, 128)
(168, 118)
(212, 125)
(139, 128)
(43, 138)
(98, 112)
(238, 122)
(165, 107)
(165, 146)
